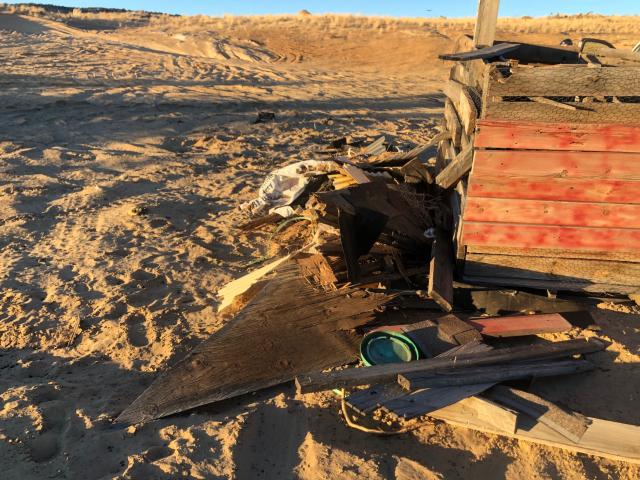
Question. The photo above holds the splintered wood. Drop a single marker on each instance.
(288, 328)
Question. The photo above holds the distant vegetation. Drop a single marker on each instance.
(582, 24)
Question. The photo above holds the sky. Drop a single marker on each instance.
(397, 8)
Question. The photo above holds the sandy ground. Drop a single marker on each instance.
(126, 147)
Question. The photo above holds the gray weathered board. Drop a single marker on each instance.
(288, 328)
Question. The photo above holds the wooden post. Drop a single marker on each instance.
(486, 23)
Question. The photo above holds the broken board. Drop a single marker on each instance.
(289, 328)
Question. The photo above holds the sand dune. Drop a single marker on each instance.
(127, 145)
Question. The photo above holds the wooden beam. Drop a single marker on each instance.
(486, 23)
(354, 377)
(440, 286)
(491, 374)
(457, 169)
(462, 100)
(453, 123)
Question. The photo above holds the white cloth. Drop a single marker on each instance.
(284, 185)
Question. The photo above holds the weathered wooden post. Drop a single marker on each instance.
(486, 23)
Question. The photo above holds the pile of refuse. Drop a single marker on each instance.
(360, 269)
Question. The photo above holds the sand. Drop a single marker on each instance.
(126, 146)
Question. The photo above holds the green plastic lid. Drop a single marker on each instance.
(383, 346)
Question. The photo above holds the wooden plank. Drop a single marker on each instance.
(520, 325)
(603, 438)
(425, 401)
(237, 287)
(369, 399)
(569, 81)
(561, 164)
(549, 236)
(376, 396)
(568, 424)
(549, 212)
(556, 284)
(460, 249)
(355, 173)
(549, 268)
(440, 287)
(501, 302)
(454, 330)
(469, 73)
(485, 53)
(473, 410)
(289, 328)
(616, 113)
(453, 123)
(462, 99)
(485, 32)
(457, 169)
(552, 136)
(354, 377)
(492, 374)
(556, 253)
(555, 189)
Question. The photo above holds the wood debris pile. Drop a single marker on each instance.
(364, 244)
(364, 267)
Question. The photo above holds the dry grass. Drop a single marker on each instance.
(584, 24)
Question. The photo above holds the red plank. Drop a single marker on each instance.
(532, 163)
(540, 212)
(520, 325)
(557, 136)
(560, 189)
(553, 237)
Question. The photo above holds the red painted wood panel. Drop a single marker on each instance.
(541, 212)
(560, 189)
(532, 163)
(554, 237)
(557, 136)
(519, 325)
